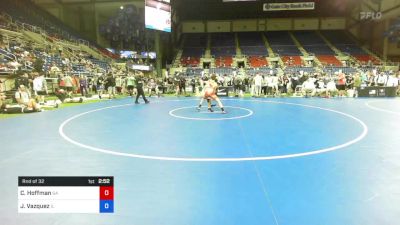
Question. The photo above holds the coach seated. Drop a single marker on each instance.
(25, 104)
(25, 100)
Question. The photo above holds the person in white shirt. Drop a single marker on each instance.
(153, 88)
(321, 86)
(381, 80)
(257, 84)
(392, 81)
(14, 64)
(330, 88)
(24, 99)
(309, 88)
(66, 61)
(54, 70)
(40, 87)
(268, 82)
(274, 85)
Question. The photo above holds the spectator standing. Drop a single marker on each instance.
(100, 85)
(69, 86)
(40, 88)
(130, 83)
(182, 85)
(83, 85)
(118, 84)
(258, 80)
(193, 84)
(357, 83)
(341, 84)
(110, 85)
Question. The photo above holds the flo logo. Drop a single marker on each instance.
(370, 15)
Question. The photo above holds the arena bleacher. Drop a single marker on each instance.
(246, 53)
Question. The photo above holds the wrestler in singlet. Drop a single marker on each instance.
(210, 93)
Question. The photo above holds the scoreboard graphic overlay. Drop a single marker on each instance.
(65, 194)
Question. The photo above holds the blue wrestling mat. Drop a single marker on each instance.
(283, 161)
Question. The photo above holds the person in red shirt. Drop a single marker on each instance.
(341, 84)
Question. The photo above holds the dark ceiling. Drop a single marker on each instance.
(219, 10)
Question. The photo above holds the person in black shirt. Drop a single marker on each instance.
(182, 85)
(193, 84)
(100, 86)
(110, 85)
(140, 91)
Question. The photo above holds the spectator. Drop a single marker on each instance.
(24, 99)
(341, 84)
(309, 88)
(258, 80)
(182, 85)
(7, 108)
(100, 85)
(118, 84)
(357, 83)
(193, 84)
(40, 87)
(330, 88)
(68, 84)
(83, 85)
(153, 88)
(62, 95)
(110, 85)
(381, 80)
(54, 70)
(130, 83)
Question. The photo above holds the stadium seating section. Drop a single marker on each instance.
(258, 61)
(223, 48)
(329, 60)
(225, 61)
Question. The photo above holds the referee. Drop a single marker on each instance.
(139, 88)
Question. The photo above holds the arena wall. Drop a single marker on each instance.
(244, 25)
(333, 23)
(218, 26)
(275, 24)
(193, 27)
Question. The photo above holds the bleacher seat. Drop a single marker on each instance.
(193, 71)
(282, 44)
(225, 61)
(190, 61)
(365, 59)
(223, 44)
(343, 42)
(252, 44)
(334, 69)
(257, 61)
(193, 49)
(329, 60)
(297, 69)
(261, 70)
(313, 43)
(292, 60)
(221, 71)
